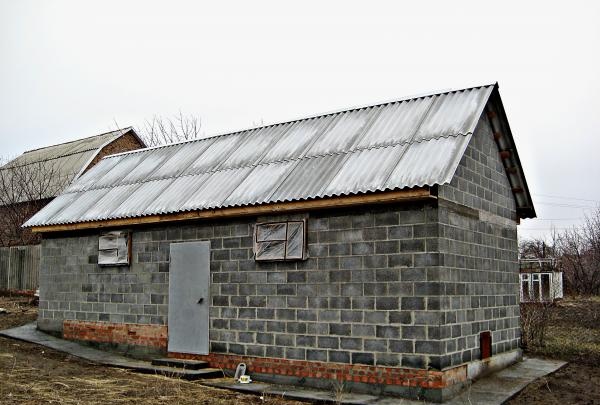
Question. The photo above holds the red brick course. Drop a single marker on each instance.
(406, 377)
(156, 336)
(127, 333)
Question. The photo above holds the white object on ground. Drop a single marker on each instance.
(245, 379)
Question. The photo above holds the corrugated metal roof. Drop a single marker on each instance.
(64, 161)
(407, 143)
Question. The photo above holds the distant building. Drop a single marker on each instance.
(540, 280)
(376, 246)
(32, 180)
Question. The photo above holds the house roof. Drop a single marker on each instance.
(401, 144)
(58, 165)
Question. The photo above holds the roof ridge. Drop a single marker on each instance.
(122, 130)
(309, 117)
(7, 167)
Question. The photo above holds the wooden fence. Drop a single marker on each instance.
(19, 267)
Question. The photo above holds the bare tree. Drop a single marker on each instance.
(25, 187)
(537, 248)
(162, 130)
(580, 256)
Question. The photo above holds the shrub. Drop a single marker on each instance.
(535, 317)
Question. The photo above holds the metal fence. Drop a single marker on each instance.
(19, 267)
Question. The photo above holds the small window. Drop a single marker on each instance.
(280, 241)
(114, 248)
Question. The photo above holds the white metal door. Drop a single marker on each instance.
(189, 297)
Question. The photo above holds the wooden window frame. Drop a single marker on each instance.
(535, 287)
(127, 236)
(284, 240)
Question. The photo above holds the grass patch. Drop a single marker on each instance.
(572, 344)
(573, 331)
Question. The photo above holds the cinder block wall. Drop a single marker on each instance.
(364, 296)
(359, 299)
(74, 287)
(478, 248)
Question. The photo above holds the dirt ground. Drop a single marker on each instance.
(573, 335)
(31, 374)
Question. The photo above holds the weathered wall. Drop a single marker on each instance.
(478, 245)
(362, 297)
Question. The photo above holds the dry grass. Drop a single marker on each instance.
(32, 374)
(572, 343)
(96, 385)
(572, 334)
(572, 331)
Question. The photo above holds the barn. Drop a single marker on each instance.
(33, 179)
(376, 246)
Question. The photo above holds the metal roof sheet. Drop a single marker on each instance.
(407, 143)
(308, 178)
(365, 170)
(397, 122)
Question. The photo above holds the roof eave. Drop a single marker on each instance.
(509, 155)
(374, 198)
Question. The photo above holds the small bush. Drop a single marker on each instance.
(535, 317)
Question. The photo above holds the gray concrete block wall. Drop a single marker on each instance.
(478, 247)
(74, 286)
(359, 298)
(368, 294)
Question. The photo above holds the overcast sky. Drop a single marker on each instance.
(70, 69)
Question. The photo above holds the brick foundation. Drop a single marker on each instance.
(356, 373)
(154, 336)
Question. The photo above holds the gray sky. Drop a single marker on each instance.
(70, 69)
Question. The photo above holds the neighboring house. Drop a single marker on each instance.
(541, 281)
(33, 179)
(375, 246)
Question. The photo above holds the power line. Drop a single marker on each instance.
(565, 205)
(566, 198)
(544, 229)
(554, 219)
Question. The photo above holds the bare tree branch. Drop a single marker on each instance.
(577, 251)
(162, 130)
(25, 187)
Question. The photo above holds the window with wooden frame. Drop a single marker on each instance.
(541, 287)
(114, 248)
(276, 241)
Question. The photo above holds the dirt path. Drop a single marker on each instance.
(573, 384)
